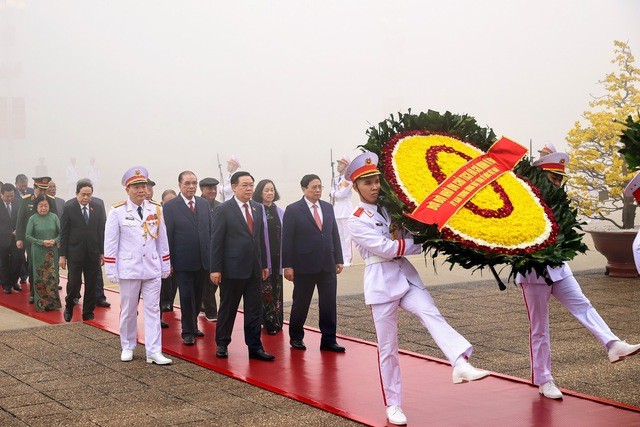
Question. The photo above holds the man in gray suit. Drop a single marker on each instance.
(52, 191)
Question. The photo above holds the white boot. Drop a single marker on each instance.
(465, 372)
(620, 349)
(158, 359)
(550, 390)
(396, 416)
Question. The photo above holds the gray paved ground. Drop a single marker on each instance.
(70, 374)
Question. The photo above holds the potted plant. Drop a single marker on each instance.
(598, 169)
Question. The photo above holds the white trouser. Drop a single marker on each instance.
(345, 239)
(536, 299)
(385, 316)
(130, 292)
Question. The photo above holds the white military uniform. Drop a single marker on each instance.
(342, 208)
(227, 191)
(391, 281)
(566, 289)
(136, 251)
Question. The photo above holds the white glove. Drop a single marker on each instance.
(165, 274)
(113, 278)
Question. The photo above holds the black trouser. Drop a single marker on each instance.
(209, 300)
(190, 284)
(231, 290)
(11, 261)
(303, 286)
(90, 267)
(168, 291)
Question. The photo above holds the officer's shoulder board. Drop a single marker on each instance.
(51, 197)
(117, 205)
(153, 202)
(27, 196)
(358, 211)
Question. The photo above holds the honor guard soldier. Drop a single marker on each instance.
(391, 281)
(136, 255)
(341, 192)
(559, 282)
(28, 208)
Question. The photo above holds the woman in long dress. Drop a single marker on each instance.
(43, 231)
(272, 296)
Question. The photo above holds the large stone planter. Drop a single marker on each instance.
(616, 246)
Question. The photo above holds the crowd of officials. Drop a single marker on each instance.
(192, 246)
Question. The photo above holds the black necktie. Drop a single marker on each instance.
(140, 211)
(9, 209)
(85, 214)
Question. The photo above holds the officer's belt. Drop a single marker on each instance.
(374, 259)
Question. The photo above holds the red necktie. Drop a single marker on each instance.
(249, 218)
(316, 216)
(191, 207)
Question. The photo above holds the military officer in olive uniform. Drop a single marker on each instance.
(136, 255)
(28, 208)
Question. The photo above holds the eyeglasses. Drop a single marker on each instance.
(316, 187)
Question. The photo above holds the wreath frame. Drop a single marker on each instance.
(568, 242)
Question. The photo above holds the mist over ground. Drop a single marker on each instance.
(172, 85)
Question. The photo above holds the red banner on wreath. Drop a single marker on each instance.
(452, 194)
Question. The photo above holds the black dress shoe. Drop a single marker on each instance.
(163, 324)
(222, 352)
(298, 344)
(31, 300)
(67, 314)
(260, 354)
(332, 347)
(89, 316)
(103, 303)
(199, 333)
(7, 291)
(17, 287)
(189, 340)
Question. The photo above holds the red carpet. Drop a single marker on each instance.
(349, 385)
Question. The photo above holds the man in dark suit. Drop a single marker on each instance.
(188, 221)
(11, 258)
(312, 255)
(101, 298)
(82, 248)
(209, 191)
(239, 265)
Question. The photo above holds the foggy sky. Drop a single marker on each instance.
(171, 84)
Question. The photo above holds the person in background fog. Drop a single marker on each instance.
(169, 286)
(341, 192)
(209, 191)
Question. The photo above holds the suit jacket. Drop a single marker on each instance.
(235, 251)
(80, 241)
(60, 206)
(189, 233)
(8, 224)
(305, 248)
